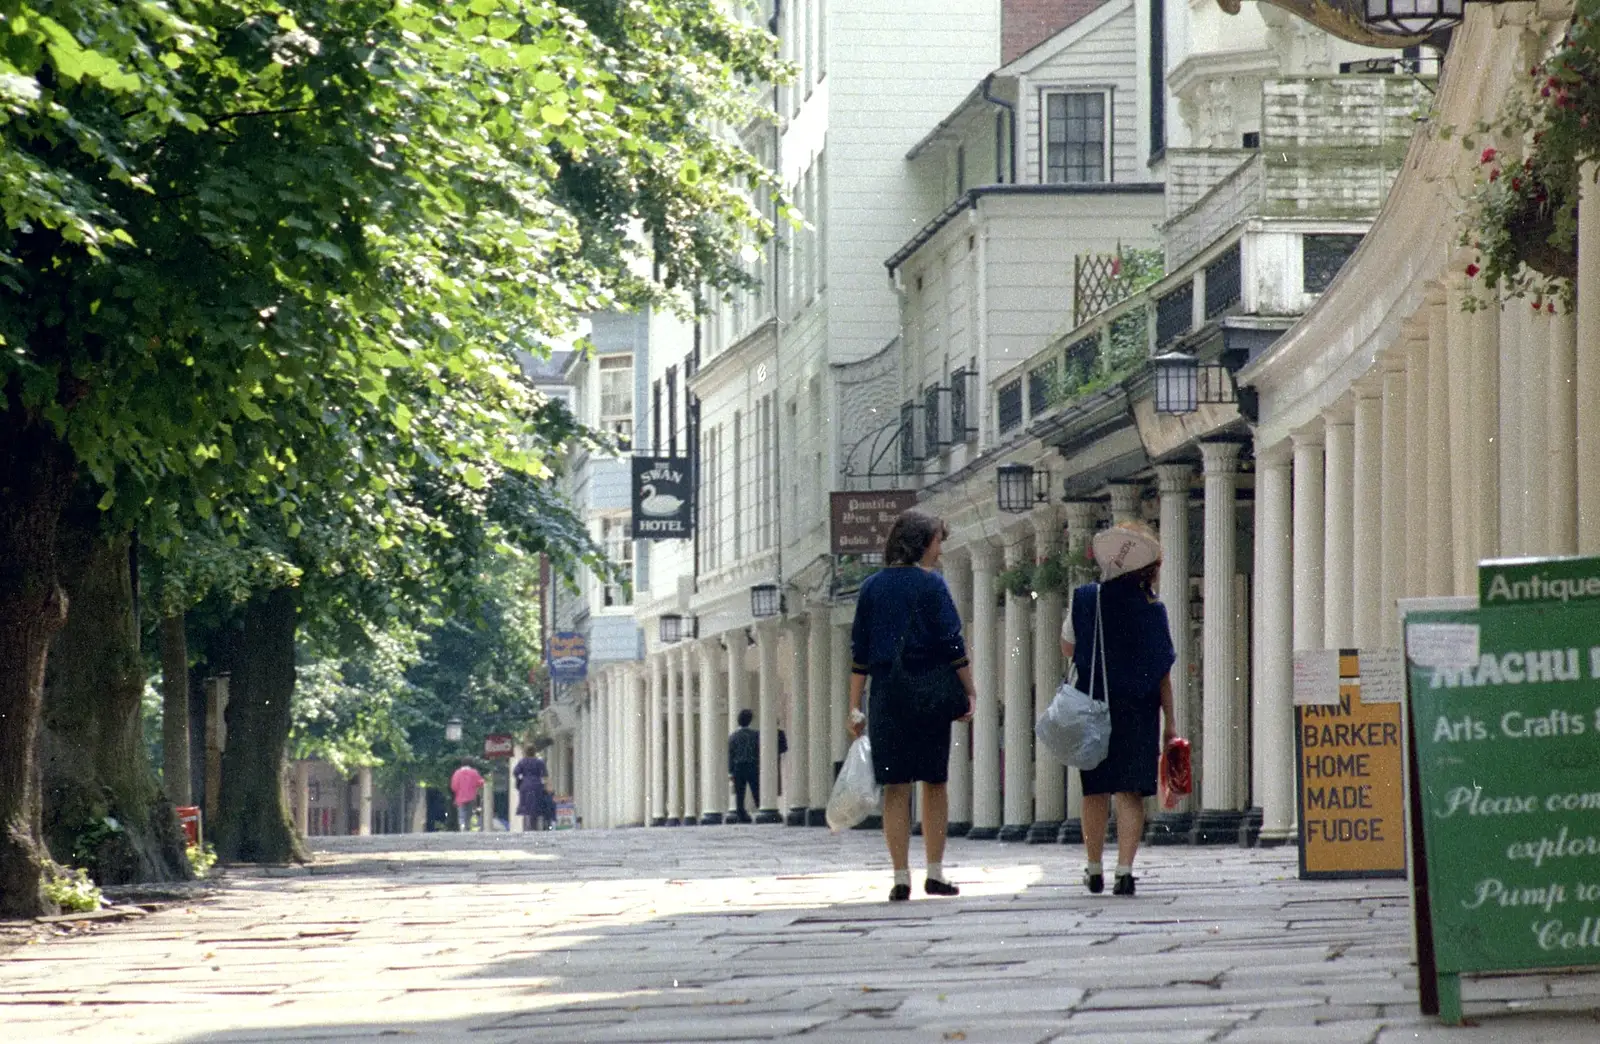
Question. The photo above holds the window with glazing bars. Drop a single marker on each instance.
(963, 425)
(908, 438)
(1042, 387)
(1075, 138)
(1174, 314)
(1008, 405)
(1223, 286)
(936, 436)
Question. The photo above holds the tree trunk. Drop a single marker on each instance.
(102, 808)
(175, 774)
(35, 480)
(253, 824)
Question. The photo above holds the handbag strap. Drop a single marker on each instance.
(1097, 651)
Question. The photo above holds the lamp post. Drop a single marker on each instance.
(452, 730)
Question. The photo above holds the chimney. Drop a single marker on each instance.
(1025, 24)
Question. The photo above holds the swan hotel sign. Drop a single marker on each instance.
(663, 498)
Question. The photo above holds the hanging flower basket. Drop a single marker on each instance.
(1536, 242)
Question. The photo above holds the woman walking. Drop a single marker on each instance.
(1116, 637)
(904, 612)
(529, 774)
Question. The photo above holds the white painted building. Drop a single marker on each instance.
(1248, 147)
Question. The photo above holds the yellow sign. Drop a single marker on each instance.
(1350, 765)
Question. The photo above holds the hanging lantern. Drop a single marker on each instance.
(1177, 383)
(452, 730)
(1413, 17)
(671, 628)
(1019, 488)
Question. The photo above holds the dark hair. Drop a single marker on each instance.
(910, 536)
(1144, 579)
(745, 718)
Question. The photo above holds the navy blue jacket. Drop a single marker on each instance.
(909, 600)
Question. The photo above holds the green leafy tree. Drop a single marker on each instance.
(234, 225)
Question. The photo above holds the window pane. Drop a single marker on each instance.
(1075, 138)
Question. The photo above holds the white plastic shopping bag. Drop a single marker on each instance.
(856, 794)
(1076, 729)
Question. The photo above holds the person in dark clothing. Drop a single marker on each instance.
(905, 611)
(529, 774)
(1117, 638)
(744, 764)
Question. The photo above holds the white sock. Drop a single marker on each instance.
(936, 871)
(1124, 870)
(903, 877)
(1093, 868)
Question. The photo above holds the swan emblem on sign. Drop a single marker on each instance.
(660, 505)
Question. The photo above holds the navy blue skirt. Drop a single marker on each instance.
(906, 749)
(1131, 762)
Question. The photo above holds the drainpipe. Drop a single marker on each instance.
(1001, 163)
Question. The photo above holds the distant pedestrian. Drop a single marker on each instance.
(1130, 653)
(529, 774)
(744, 764)
(905, 611)
(465, 785)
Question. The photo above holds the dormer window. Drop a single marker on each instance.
(1075, 137)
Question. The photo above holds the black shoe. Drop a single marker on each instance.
(1124, 885)
(934, 886)
(1096, 883)
(899, 893)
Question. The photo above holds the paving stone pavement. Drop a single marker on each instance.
(758, 933)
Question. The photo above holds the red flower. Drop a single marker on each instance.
(1551, 308)
(1488, 156)
(1538, 306)
(1472, 270)
(1494, 175)
(1516, 184)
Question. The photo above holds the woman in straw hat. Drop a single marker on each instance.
(1117, 638)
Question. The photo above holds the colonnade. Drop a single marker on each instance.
(651, 739)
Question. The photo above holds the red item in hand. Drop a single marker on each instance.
(1174, 776)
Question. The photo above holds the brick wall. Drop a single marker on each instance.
(1025, 24)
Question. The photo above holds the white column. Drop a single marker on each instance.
(1049, 780)
(657, 740)
(674, 742)
(1338, 527)
(514, 821)
(713, 766)
(767, 720)
(958, 576)
(1174, 481)
(1308, 543)
(1392, 488)
(839, 738)
(364, 788)
(819, 673)
(1017, 680)
(1416, 510)
(1080, 530)
(1587, 369)
(613, 748)
(796, 788)
(1460, 346)
(638, 778)
(1483, 437)
(1535, 432)
(1124, 501)
(738, 643)
(1273, 706)
(1366, 560)
(302, 798)
(486, 812)
(1224, 739)
(1561, 378)
(689, 733)
(986, 719)
(1441, 533)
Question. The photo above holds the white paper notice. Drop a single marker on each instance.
(1442, 645)
(1316, 677)
(1383, 675)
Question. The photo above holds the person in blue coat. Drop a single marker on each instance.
(1130, 653)
(908, 601)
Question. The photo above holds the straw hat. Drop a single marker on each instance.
(1123, 549)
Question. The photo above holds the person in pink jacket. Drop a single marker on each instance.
(465, 785)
